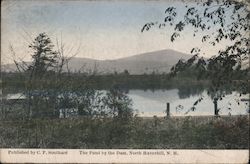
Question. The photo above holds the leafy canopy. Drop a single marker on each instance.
(216, 21)
(44, 57)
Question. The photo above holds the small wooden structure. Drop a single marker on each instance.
(168, 110)
(216, 111)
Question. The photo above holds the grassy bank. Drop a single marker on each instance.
(178, 132)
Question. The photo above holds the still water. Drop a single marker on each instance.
(150, 103)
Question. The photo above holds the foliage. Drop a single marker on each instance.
(85, 101)
(216, 21)
(118, 104)
(48, 90)
(40, 102)
(88, 133)
(44, 58)
(52, 93)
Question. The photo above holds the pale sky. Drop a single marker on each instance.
(101, 29)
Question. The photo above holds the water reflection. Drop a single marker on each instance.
(151, 103)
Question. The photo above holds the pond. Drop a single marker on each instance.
(150, 103)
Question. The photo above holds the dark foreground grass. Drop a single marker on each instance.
(178, 132)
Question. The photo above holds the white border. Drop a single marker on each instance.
(123, 156)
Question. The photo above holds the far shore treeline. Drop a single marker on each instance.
(126, 81)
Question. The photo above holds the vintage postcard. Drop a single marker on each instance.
(122, 81)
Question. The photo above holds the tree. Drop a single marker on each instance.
(49, 90)
(42, 77)
(126, 72)
(118, 104)
(214, 21)
(44, 57)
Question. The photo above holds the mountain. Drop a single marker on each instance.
(157, 61)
